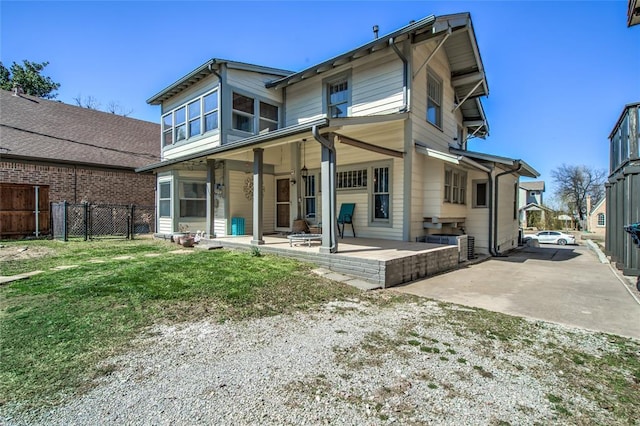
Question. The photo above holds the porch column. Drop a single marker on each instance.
(329, 213)
(211, 182)
(258, 167)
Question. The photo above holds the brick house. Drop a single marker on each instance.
(70, 153)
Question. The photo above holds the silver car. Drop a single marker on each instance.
(553, 237)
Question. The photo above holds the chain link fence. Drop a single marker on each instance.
(93, 221)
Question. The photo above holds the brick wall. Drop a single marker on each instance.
(77, 184)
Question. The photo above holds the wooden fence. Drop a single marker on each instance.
(18, 206)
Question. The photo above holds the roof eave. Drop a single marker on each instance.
(243, 143)
(207, 68)
(353, 54)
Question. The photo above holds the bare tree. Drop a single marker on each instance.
(87, 102)
(575, 183)
(115, 108)
(92, 103)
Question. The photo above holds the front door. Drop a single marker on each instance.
(283, 204)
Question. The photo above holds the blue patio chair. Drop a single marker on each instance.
(346, 216)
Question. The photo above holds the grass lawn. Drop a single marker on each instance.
(55, 326)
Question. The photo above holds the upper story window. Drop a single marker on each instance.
(338, 96)
(186, 121)
(601, 221)
(434, 99)
(245, 111)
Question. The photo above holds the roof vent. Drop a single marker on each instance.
(375, 31)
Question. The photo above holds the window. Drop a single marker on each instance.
(338, 98)
(447, 185)
(380, 193)
(310, 198)
(210, 111)
(167, 130)
(351, 179)
(434, 99)
(194, 118)
(193, 199)
(186, 121)
(268, 117)
(245, 109)
(243, 112)
(164, 199)
(180, 124)
(601, 221)
(480, 193)
(455, 186)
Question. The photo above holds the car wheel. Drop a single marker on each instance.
(562, 241)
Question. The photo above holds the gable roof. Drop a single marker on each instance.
(598, 205)
(207, 69)
(467, 71)
(536, 185)
(39, 129)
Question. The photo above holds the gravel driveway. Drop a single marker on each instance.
(351, 363)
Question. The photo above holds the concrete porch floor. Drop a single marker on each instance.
(381, 263)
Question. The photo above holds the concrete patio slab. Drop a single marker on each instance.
(566, 285)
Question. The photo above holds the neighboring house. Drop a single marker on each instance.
(530, 206)
(597, 218)
(71, 153)
(623, 190)
(384, 126)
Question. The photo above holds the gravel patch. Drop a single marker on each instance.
(351, 363)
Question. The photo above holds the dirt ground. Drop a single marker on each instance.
(22, 252)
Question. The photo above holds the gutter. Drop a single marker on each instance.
(493, 249)
(405, 75)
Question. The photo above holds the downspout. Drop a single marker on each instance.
(326, 143)
(405, 75)
(490, 188)
(495, 228)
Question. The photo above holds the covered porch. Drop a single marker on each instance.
(381, 263)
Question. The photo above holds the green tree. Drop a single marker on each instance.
(28, 76)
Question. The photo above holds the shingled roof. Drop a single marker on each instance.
(536, 185)
(38, 129)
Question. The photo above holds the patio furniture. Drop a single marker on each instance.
(346, 216)
(303, 238)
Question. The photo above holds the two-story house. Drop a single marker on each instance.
(250, 149)
(530, 205)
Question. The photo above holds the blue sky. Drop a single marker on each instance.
(559, 73)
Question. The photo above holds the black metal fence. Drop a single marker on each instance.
(92, 221)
